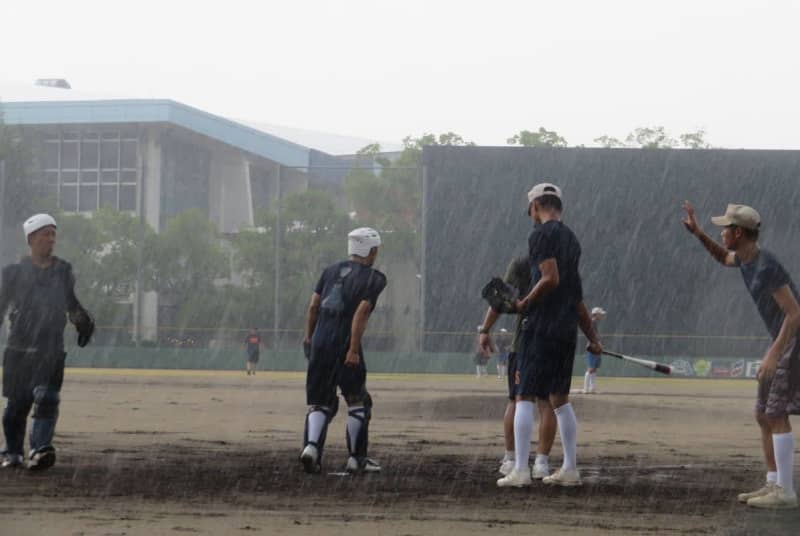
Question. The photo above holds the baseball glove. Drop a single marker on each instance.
(500, 296)
(84, 324)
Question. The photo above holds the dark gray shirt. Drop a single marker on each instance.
(762, 277)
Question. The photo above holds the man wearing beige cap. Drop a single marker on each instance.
(553, 310)
(776, 298)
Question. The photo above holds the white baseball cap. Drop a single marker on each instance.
(541, 189)
(598, 311)
(360, 241)
(36, 222)
(740, 216)
(544, 188)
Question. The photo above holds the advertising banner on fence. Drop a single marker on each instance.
(715, 368)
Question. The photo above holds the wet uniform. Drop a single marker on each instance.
(779, 395)
(342, 287)
(518, 275)
(33, 363)
(253, 342)
(550, 328)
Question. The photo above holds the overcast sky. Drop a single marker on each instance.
(384, 70)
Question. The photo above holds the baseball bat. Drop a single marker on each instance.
(658, 367)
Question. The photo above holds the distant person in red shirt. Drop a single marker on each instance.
(253, 344)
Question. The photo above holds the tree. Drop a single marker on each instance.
(541, 137)
(447, 138)
(107, 251)
(651, 138)
(609, 142)
(20, 194)
(188, 259)
(313, 236)
(656, 138)
(695, 140)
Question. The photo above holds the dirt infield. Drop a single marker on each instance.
(152, 452)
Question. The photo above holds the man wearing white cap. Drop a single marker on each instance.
(40, 293)
(593, 361)
(776, 298)
(553, 310)
(342, 301)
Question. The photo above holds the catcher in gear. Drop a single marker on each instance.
(39, 293)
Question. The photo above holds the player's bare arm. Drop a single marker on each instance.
(356, 332)
(585, 323)
(714, 248)
(791, 323)
(311, 316)
(484, 338)
(549, 280)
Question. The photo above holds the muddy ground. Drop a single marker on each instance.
(148, 452)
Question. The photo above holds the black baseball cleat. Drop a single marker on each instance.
(42, 459)
(310, 460)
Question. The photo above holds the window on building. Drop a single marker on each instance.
(89, 169)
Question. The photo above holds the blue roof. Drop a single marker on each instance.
(157, 111)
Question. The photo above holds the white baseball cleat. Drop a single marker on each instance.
(11, 461)
(367, 465)
(766, 490)
(310, 459)
(506, 467)
(515, 479)
(564, 478)
(540, 471)
(777, 499)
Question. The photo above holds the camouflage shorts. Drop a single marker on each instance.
(780, 395)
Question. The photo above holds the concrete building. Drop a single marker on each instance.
(156, 158)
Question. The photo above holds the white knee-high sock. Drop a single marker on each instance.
(772, 477)
(783, 445)
(568, 429)
(353, 426)
(523, 428)
(316, 421)
(587, 381)
(592, 380)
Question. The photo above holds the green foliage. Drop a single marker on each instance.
(541, 137)
(656, 137)
(20, 194)
(695, 140)
(609, 142)
(106, 251)
(314, 235)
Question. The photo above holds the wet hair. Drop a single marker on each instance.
(750, 234)
(549, 201)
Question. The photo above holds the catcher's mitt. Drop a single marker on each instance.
(84, 324)
(500, 296)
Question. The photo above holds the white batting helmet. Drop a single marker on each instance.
(36, 222)
(360, 241)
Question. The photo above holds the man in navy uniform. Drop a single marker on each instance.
(337, 317)
(39, 291)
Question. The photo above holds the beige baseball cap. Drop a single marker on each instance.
(740, 216)
(544, 188)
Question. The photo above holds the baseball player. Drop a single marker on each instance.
(39, 291)
(518, 276)
(337, 317)
(253, 347)
(553, 310)
(593, 361)
(776, 298)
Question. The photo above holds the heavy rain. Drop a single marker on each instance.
(246, 250)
